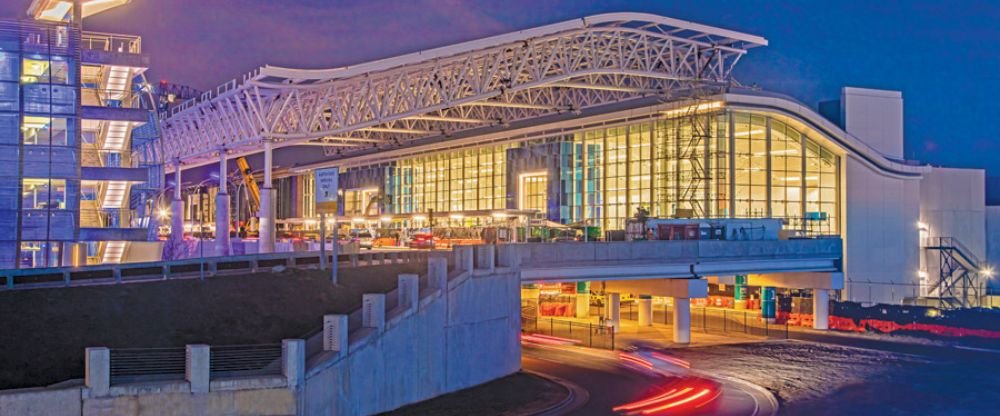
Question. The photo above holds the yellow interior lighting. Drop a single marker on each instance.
(62, 10)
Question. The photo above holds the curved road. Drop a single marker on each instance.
(612, 384)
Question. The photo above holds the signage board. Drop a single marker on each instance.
(326, 190)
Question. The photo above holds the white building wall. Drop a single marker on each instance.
(881, 236)
(876, 117)
(993, 242)
(953, 204)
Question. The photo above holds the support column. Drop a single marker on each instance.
(582, 299)
(740, 292)
(266, 216)
(821, 309)
(682, 320)
(530, 297)
(645, 310)
(177, 209)
(614, 310)
(222, 208)
(768, 305)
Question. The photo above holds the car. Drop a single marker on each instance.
(364, 238)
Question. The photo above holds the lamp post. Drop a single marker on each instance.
(201, 236)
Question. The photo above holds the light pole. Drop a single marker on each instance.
(201, 231)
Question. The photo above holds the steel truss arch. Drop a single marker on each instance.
(565, 67)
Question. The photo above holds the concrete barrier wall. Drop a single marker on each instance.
(464, 331)
(571, 252)
(465, 337)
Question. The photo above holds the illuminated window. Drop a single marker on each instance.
(43, 193)
(46, 131)
(54, 71)
(533, 192)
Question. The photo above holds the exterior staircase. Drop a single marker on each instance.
(959, 275)
(114, 194)
(113, 252)
(115, 136)
(90, 216)
(117, 82)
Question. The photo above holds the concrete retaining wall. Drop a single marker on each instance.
(464, 337)
(463, 331)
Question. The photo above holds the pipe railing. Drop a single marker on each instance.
(107, 274)
(111, 42)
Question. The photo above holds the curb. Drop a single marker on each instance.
(576, 396)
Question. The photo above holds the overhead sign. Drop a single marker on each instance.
(326, 190)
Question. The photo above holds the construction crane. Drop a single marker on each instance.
(251, 184)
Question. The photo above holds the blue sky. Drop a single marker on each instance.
(942, 55)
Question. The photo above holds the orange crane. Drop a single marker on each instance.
(251, 184)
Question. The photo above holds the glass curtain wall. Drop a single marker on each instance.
(723, 164)
(39, 143)
(465, 180)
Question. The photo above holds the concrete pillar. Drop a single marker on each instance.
(222, 209)
(222, 224)
(582, 299)
(645, 310)
(335, 336)
(464, 257)
(408, 289)
(740, 292)
(437, 273)
(682, 320)
(97, 371)
(177, 209)
(266, 216)
(486, 257)
(196, 367)
(613, 307)
(293, 361)
(768, 304)
(821, 309)
(531, 294)
(373, 311)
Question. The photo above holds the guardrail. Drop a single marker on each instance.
(111, 42)
(108, 274)
(132, 363)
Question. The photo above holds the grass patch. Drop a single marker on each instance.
(44, 331)
(516, 394)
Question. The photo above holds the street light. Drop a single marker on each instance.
(201, 231)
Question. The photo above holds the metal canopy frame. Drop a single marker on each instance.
(564, 67)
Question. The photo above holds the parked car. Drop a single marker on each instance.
(364, 238)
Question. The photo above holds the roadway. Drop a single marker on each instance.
(610, 383)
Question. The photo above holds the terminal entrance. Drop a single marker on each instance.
(612, 314)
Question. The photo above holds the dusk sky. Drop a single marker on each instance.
(942, 55)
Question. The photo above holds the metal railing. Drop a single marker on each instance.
(585, 333)
(245, 360)
(161, 363)
(106, 274)
(103, 97)
(112, 42)
(713, 320)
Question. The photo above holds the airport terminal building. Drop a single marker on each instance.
(576, 124)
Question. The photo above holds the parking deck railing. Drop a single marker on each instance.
(193, 268)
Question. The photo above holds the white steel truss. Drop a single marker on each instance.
(565, 67)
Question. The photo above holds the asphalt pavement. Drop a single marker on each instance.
(611, 383)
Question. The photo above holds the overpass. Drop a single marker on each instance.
(681, 270)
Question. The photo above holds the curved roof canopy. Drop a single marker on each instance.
(385, 104)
